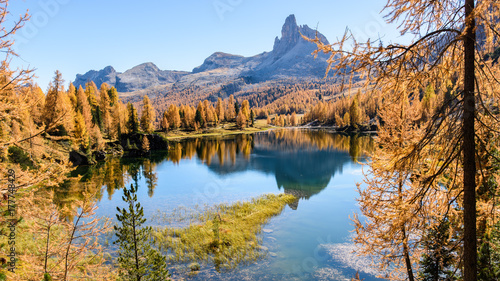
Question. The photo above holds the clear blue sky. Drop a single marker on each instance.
(75, 36)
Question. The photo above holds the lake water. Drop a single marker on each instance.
(309, 240)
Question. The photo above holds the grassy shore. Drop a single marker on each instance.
(221, 130)
(224, 235)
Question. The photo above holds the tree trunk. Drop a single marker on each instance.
(136, 254)
(407, 256)
(468, 148)
(406, 251)
(47, 248)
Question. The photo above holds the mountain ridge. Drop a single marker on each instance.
(291, 58)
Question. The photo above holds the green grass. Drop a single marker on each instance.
(220, 130)
(225, 236)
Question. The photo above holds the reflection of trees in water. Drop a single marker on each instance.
(148, 171)
(303, 161)
(112, 174)
(208, 149)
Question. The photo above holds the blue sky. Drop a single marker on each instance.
(75, 36)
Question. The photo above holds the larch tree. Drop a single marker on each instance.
(390, 226)
(148, 116)
(118, 119)
(72, 94)
(173, 116)
(105, 108)
(445, 46)
(37, 101)
(245, 108)
(428, 101)
(293, 119)
(145, 143)
(113, 96)
(208, 115)
(91, 91)
(81, 133)
(164, 122)
(82, 106)
(241, 120)
(58, 112)
(15, 108)
(354, 111)
(219, 109)
(230, 114)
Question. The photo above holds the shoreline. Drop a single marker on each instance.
(251, 130)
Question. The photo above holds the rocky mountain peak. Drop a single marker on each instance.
(148, 67)
(219, 60)
(290, 36)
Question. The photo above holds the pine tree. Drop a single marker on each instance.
(200, 115)
(252, 117)
(236, 108)
(437, 263)
(148, 116)
(133, 123)
(198, 118)
(137, 259)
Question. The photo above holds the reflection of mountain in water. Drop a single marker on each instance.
(301, 170)
(302, 161)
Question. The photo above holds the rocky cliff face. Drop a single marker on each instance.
(219, 60)
(291, 58)
(290, 36)
(144, 76)
(106, 75)
(292, 55)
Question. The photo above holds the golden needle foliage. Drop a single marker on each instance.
(434, 171)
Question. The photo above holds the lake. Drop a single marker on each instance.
(309, 240)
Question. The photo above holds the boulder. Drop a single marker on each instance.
(78, 158)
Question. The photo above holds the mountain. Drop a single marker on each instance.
(137, 78)
(291, 55)
(290, 59)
